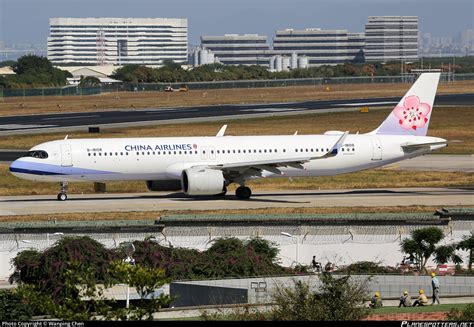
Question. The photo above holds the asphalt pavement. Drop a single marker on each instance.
(11, 125)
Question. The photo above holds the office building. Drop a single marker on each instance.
(117, 41)
(391, 38)
(321, 47)
(234, 49)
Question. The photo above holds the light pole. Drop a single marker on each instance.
(295, 238)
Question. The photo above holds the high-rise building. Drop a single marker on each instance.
(234, 49)
(321, 47)
(117, 41)
(391, 38)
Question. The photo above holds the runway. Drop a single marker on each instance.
(14, 125)
(47, 204)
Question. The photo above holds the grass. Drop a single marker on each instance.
(430, 308)
(107, 101)
(153, 215)
(451, 123)
(384, 310)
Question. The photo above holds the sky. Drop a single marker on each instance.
(26, 21)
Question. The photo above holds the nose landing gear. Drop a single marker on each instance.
(62, 196)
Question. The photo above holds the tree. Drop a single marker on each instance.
(337, 298)
(445, 253)
(467, 244)
(146, 281)
(89, 81)
(422, 245)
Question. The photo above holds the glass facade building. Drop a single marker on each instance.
(391, 38)
(234, 49)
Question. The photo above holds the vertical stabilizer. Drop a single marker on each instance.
(412, 114)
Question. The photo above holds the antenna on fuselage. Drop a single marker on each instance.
(296, 133)
(66, 137)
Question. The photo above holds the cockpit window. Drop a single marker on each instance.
(39, 154)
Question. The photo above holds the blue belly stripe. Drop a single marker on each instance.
(33, 172)
(36, 168)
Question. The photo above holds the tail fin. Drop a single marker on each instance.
(412, 114)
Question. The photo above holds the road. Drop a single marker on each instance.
(11, 125)
(47, 204)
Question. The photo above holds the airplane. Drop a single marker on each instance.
(207, 165)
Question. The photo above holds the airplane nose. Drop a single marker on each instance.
(14, 166)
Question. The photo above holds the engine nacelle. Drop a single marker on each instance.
(202, 181)
(164, 185)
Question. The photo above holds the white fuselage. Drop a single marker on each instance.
(102, 160)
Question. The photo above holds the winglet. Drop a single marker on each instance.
(221, 131)
(335, 149)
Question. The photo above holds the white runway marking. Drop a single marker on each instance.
(74, 117)
(363, 104)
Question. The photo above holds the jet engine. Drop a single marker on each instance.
(164, 185)
(202, 181)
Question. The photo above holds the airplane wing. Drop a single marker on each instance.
(221, 131)
(255, 168)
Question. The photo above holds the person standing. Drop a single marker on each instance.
(435, 287)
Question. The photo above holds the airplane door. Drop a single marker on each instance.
(66, 155)
(376, 149)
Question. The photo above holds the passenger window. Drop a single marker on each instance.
(179, 152)
(126, 153)
(89, 154)
(94, 154)
(296, 150)
(121, 153)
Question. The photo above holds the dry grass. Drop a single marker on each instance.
(153, 215)
(107, 101)
(377, 178)
(452, 123)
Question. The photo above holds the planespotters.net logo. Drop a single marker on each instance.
(437, 324)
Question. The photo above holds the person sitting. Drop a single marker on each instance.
(422, 299)
(405, 300)
(376, 301)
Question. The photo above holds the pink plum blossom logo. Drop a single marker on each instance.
(413, 114)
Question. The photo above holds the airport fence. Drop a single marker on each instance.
(50, 91)
(292, 82)
(213, 85)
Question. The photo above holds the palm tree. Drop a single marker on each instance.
(467, 244)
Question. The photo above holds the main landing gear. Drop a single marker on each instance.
(243, 192)
(62, 196)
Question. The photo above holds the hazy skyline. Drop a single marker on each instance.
(27, 21)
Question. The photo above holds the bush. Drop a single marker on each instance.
(466, 314)
(367, 267)
(336, 299)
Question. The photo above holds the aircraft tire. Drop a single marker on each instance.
(243, 192)
(62, 197)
